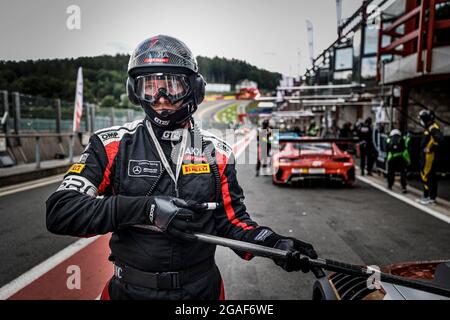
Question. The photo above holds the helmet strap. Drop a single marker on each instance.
(174, 120)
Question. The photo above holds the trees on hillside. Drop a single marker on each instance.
(105, 76)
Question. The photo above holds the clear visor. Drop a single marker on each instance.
(171, 86)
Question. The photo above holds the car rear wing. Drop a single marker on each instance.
(345, 144)
(313, 140)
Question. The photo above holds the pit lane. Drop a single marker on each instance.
(359, 225)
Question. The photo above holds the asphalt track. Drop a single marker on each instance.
(358, 225)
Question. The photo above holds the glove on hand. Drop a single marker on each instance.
(178, 217)
(293, 261)
(266, 237)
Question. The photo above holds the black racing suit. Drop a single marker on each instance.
(398, 159)
(264, 146)
(121, 163)
(367, 149)
(431, 142)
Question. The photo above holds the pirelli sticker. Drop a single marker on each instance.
(196, 168)
(76, 168)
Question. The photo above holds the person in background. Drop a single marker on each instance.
(366, 146)
(298, 131)
(398, 158)
(313, 130)
(346, 130)
(263, 146)
(430, 145)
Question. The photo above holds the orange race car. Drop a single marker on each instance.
(301, 159)
(247, 94)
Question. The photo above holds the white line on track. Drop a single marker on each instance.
(246, 141)
(200, 113)
(30, 185)
(36, 272)
(428, 210)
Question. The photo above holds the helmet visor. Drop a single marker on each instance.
(153, 86)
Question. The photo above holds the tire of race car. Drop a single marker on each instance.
(276, 183)
(349, 184)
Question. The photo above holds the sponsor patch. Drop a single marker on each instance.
(172, 135)
(194, 151)
(144, 168)
(196, 168)
(191, 158)
(161, 60)
(262, 235)
(109, 135)
(76, 168)
(80, 184)
(161, 122)
(222, 146)
(83, 158)
(157, 56)
(194, 155)
(152, 213)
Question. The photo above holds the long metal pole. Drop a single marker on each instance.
(316, 264)
(364, 272)
(58, 118)
(71, 147)
(16, 101)
(326, 264)
(255, 249)
(38, 152)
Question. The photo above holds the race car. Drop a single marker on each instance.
(300, 159)
(247, 94)
(339, 286)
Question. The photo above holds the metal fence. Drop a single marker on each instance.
(21, 113)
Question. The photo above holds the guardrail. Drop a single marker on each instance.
(21, 114)
(38, 137)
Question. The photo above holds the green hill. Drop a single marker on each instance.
(105, 76)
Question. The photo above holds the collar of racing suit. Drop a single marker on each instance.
(169, 137)
(172, 134)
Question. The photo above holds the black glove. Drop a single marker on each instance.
(293, 261)
(178, 217)
(266, 237)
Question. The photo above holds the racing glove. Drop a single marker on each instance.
(266, 237)
(177, 217)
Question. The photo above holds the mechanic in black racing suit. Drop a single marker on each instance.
(367, 149)
(161, 172)
(264, 146)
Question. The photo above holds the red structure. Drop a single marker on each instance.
(420, 29)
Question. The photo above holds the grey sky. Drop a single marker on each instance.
(266, 33)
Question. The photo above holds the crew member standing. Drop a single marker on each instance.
(398, 158)
(162, 172)
(431, 142)
(367, 149)
(313, 130)
(263, 140)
